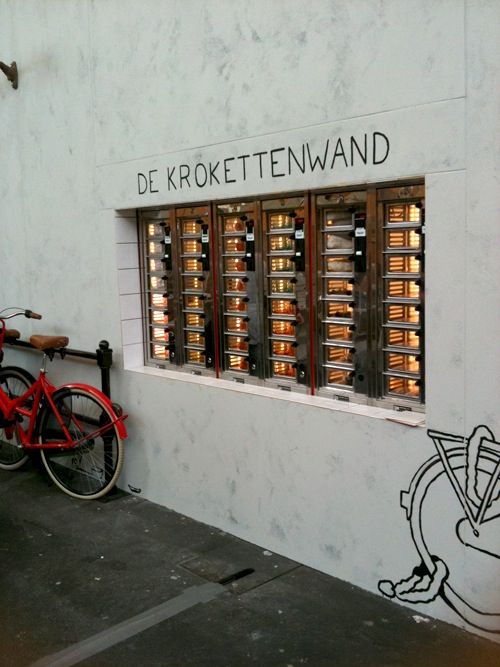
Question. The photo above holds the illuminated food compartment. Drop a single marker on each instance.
(232, 224)
(236, 304)
(409, 363)
(283, 307)
(193, 320)
(403, 387)
(282, 286)
(402, 239)
(192, 265)
(154, 229)
(402, 338)
(237, 363)
(402, 313)
(339, 287)
(280, 348)
(283, 328)
(159, 317)
(156, 282)
(190, 227)
(402, 213)
(281, 369)
(335, 377)
(159, 352)
(342, 309)
(281, 265)
(196, 357)
(155, 265)
(155, 247)
(403, 264)
(341, 332)
(280, 221)
(193, 284)
(235, 285)
(237, 324)
(234, 244)
(195, 338)
(237, 343)
(193, 302)
(157, 300)
(234, 265)
(403, 289)
(159, 335)
(339, 355)
(280, 242)
(191, 246)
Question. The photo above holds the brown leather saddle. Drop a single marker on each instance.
(49, 342)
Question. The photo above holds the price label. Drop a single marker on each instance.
(204, 237)
(250, 236)
(168, 239)
(359, 232)
(299, 234)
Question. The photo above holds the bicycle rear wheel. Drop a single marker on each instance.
(14, 382)
(90, 469)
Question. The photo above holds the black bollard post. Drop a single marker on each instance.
(104, 361)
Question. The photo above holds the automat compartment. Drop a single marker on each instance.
(240, 290)
(401, 216)
(341, 251)
(159, 283)
(286, 287)
(194, 227)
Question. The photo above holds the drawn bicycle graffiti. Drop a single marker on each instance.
(453, 507)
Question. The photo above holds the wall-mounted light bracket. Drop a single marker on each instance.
(10, 72)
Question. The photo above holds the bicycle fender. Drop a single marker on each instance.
(120, 426)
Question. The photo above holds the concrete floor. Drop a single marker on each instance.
(73, 569)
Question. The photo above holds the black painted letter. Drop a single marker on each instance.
(144, 181)
(387, 147)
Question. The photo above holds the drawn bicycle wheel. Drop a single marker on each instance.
(441, 533)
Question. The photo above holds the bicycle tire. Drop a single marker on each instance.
(428, 475)
(89, 470)
(14, 382)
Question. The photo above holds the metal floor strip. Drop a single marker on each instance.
(126, 629)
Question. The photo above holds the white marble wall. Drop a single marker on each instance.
(106, 84)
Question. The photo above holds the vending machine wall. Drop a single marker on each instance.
(159, 286)
(239, 291)
(342, 327)
(286, 292)
(401, 227)
(195, 334)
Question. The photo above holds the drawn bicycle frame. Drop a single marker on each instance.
(477, 457)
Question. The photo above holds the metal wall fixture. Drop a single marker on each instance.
(11, 73)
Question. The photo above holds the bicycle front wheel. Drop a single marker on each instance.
(90, 469)
(14, 382)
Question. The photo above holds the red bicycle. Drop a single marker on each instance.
(77, 429)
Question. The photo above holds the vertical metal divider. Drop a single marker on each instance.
(215, 234)
(141, 238)
(179, 315)
(310, 212)
(374, 233)
(422, 304)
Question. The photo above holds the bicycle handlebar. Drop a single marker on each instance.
(30, 314)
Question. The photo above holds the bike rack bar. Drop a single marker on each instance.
(103, 356)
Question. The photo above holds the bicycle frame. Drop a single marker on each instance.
(43, 388)
(474, 517)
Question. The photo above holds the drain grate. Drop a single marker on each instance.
(240, 566)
